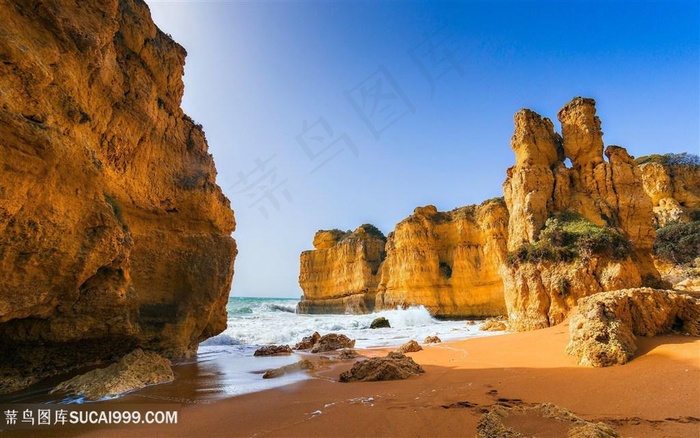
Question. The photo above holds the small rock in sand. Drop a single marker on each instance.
(394, 366)
(136, 370)
(273, 350)
(409, 347)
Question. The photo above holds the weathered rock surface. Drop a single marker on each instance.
(302, 365)
(395, 366)
(517, 422)
(606, 193)
(136, 370)
(273, 350)
(380, 322)
(331, 342)
(604, 327)
(542, 294)
(409, 347)
(674, 189)
(432, 340)
(308, 342)
(113, 232)
(448, 262)
(342, 268)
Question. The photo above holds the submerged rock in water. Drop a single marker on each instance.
(409, 347)
(332, 342)
(307, 342)
(432, 340)
(603, 328)
(136, 370)
(395, 366)
(288, 369)
(273, 350)
(380, 322)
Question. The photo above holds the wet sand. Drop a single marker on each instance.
(657, 394)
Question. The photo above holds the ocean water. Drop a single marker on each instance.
(253, 322)
(225, 366)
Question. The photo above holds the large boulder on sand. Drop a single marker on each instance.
(394, 366)
(136, 370)
(604, 327)
(331, 342)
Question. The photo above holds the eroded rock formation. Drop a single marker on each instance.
(446, 261)
(579, 218)
(337, 276)
(113, 232)
(604, 327)
(608, 194)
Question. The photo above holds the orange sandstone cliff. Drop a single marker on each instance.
(448, 262)
(113, 232)
(597, 195)
(673, 184)
(672, 181)
(563, 232)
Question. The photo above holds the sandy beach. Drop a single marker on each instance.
(657, 394)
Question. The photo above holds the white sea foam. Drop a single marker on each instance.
(253, 322)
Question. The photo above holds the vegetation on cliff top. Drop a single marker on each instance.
(569, 236)
(682, 159)
(361, 231)
(372, 231)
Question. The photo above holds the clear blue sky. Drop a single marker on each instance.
(330, 115)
